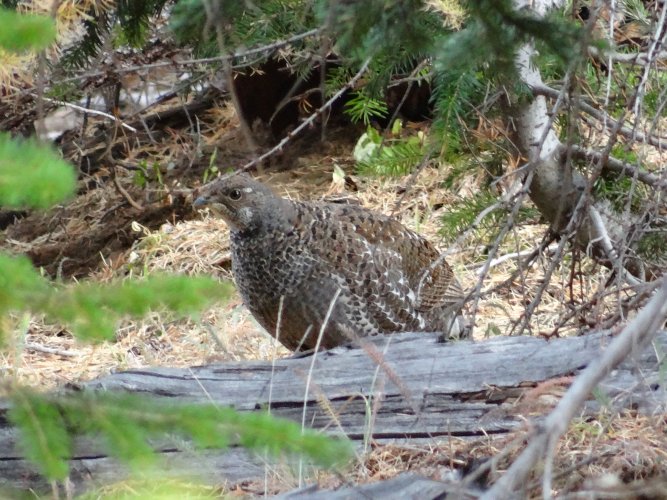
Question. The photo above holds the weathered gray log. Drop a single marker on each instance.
(403, 486)
(427, 390)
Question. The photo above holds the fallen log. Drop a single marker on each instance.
(399, 487)
(418, 389)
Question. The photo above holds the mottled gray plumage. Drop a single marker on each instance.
(386, 276)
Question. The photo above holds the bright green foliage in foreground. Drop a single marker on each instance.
(127, 421)
(91, 310)
(21, 32)
(155, 486)
(32, 175)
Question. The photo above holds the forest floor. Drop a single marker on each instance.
(123, 225)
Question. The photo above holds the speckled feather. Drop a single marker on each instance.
(295, 256)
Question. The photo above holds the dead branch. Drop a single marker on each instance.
(603, 118)
(618, 166)
(87, 110)
(50, 350)
(640, 58)
(123, 192)
(633, 337)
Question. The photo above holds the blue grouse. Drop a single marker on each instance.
(291, 260)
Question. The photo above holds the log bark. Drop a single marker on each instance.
(400, 487)
(427, 390)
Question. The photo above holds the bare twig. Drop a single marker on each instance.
(603, 118)
(410, 85)
(652, 55)
(634, 336)
(263, 49)
(213, 20)
(620, 167)
(87, 110)
(50, 350)
(606, 244)
(515, 255)
(639, 58)
(123, 192)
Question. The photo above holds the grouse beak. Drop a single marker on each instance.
(201, 201)
(207, 201)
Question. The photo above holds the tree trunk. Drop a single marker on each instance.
(560, 192)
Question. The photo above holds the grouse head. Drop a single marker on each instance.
(245, 204)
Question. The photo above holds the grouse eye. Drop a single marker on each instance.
(235, 194)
